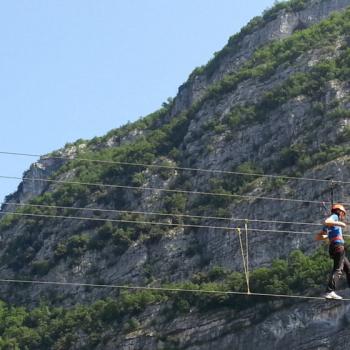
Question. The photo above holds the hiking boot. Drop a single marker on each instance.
(333, 295)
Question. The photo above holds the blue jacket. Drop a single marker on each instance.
(335, 233)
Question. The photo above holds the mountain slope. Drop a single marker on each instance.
(284, 109)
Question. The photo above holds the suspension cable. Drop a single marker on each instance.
(162, 289)
(230, 195)
(214, 171)
(151, 223)
(155, 213)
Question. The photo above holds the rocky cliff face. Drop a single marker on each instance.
(262, 106)
(285, 24)
(39, 171)
(309, 325)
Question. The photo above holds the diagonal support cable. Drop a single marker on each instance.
(247, 255)
(244, 259)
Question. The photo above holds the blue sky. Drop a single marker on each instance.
(76, 69)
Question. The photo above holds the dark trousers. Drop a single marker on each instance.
(340, 264)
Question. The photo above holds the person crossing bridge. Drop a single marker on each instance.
(332, 231)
